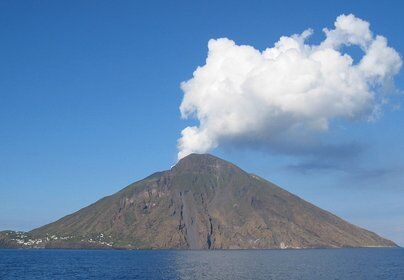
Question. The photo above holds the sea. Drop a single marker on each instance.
(369, 263)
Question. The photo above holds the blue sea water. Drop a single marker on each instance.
(170, 264)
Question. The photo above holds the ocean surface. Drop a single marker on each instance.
(170, 264)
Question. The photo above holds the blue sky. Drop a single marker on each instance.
(90, 95)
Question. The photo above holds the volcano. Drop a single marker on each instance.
(203, 202)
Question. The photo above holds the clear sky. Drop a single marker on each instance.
(90, 95)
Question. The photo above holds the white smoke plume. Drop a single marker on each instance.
(286, 92)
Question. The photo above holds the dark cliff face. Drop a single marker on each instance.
(203, 202)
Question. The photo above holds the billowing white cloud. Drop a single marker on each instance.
(286, 92)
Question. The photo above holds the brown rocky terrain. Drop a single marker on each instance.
(203, 202)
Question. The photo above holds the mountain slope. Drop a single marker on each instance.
(203, 202)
